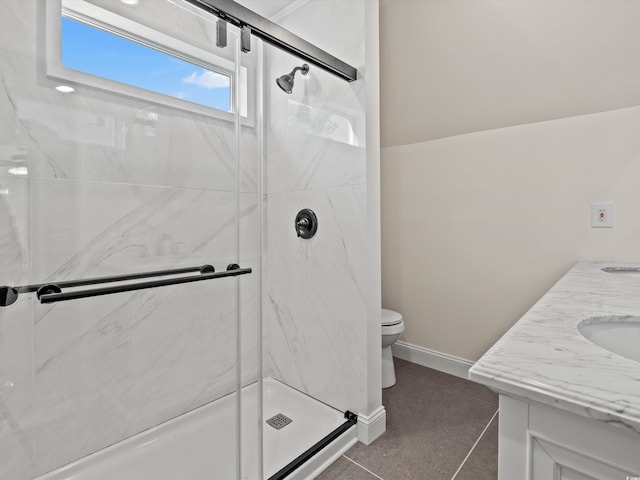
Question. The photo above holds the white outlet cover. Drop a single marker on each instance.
(602, 215)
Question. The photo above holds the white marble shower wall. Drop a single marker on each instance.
(315, 302)
(16, 329)
(115, 185)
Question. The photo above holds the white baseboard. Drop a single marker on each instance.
(372, 426)
(430, 358)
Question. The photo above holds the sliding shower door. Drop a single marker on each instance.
(121, 131)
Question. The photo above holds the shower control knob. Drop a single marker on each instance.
(306, 223)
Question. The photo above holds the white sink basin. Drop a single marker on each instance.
(617, 333)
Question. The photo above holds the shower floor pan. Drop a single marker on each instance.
(198, 445)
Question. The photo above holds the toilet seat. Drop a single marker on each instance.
(389, 318)
(394, 329)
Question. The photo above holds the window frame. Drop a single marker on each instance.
(131, 30)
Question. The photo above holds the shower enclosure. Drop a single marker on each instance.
(160, 318)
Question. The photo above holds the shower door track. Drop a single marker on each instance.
(352, 420)
(252, 23)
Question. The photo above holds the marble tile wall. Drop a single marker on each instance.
(114, 185)
(16, 330)
(118, 185)
(315, 303)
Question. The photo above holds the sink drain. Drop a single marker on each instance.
(279, 421)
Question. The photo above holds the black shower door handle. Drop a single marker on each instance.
(52, 292)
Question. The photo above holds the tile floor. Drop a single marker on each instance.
(439, 427)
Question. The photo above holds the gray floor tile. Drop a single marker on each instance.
(432, 423)
(343, 469)
(445, 380)
(482, 464)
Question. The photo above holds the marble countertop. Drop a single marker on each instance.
(544, 358)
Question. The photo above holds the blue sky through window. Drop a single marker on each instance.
(96, 52)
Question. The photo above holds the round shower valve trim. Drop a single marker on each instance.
(306, 223)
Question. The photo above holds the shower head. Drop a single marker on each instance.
(285, 82)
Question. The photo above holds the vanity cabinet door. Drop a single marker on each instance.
(538, 442)
(569, 474)
(582, 446)
(555, 462)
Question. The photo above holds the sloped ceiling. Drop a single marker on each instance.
(459, 66)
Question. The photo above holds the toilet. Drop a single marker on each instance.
(392, 327)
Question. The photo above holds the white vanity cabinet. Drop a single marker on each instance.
(569, 408)
(538, 442)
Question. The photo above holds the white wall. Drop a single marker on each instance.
(477, 226)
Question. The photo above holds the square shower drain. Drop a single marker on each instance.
(279, 421)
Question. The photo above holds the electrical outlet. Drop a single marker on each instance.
(602, 215)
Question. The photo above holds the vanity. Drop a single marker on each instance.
(568, 376)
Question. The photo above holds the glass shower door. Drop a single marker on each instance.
(119, 155)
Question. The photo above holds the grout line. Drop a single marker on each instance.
(474, 446)
(364, 468)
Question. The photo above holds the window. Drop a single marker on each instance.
(90, 45)
(94, 51)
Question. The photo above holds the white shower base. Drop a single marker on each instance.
(201, 445)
